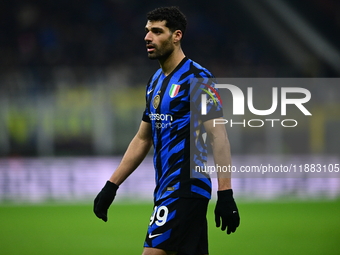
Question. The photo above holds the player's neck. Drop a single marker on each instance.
(170, 63)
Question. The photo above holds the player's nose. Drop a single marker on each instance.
(148, 37)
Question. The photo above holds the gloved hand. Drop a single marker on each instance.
(104, 199)
(227, 210)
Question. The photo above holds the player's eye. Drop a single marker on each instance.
(157, 31)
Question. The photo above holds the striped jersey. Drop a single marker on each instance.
(173, 109)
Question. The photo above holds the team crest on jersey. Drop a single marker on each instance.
(156, 101)
(174, 90)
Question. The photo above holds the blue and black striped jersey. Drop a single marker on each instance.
(175, 120)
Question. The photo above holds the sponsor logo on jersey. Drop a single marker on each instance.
(161, 120)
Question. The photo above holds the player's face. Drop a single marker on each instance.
(159, 40)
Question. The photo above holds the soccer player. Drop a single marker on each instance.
(178, 223)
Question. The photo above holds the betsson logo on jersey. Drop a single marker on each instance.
(161, 120)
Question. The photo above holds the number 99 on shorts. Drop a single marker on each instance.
(159, 216)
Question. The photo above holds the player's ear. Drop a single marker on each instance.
(177, 35)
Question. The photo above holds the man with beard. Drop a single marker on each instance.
(178, 224)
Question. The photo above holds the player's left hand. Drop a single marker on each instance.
(226, 210)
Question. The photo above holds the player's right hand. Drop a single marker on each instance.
(104, 199)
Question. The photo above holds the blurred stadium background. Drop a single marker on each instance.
(72, 85)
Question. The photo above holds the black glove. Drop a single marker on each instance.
(104, 199)
(227, 210)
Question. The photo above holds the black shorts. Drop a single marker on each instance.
(179, 224)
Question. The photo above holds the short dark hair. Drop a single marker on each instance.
(175, 19)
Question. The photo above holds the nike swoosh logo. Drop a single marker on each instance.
(150, 91)
(152, 236)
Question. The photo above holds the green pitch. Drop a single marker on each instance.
(266, 228)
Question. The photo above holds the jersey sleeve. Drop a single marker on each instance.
(206, 102)
(145, 116)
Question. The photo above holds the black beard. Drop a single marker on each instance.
(163, 54)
